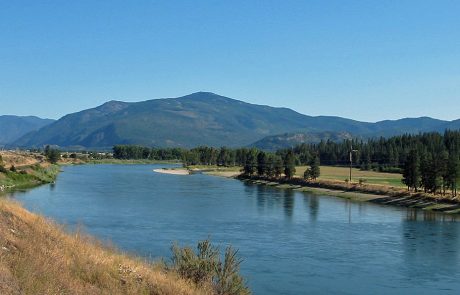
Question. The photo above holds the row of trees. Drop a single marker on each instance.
(135, 152)
(253, 161)
(432, 172)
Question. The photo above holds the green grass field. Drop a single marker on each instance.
(342, 173)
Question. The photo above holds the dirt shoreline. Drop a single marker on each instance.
(355, 193)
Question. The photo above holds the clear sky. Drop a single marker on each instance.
(365, 60)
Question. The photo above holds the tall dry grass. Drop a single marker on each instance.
(38, 257)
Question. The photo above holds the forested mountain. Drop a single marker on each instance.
(202, 118)
(13, 127)
(289, 140)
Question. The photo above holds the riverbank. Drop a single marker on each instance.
(362, 193)
(38, 257)
(22, 170)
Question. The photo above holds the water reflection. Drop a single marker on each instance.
(269, 198)
(311, 206)
(426, 245)
(288, 202)
(413, 214)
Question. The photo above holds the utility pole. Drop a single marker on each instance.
(351, 158)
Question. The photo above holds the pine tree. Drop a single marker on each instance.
(411, 173)
(314, 171)
(261, 163)
(289, 165)
(277, 165)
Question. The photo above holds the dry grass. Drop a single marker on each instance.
(38, 257)
(21, 159)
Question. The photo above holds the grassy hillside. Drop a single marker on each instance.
(37, 257)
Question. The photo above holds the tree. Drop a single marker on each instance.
(251, 163)
(314, 168)
(411, 173)
(2, 168)
(53, 155)
(278, 165)
(289, 164)
(261, 163)
(425, 163)
(270, 165)
(453, 173)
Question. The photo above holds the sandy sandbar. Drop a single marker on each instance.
(172, 171)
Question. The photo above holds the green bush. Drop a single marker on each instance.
(3, 169)
(205, 267)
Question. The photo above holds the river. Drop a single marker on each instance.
(291, 242)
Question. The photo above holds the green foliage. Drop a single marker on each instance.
(250, 164)
(3, 169)
(289, 164)
(411, 173)
(53, 155)
(278, 165)
(37, 175)
(262, 163)
(314, 170)
(204, 267)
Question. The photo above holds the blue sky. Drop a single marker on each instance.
(365, 60)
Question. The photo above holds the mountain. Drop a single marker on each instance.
(288, 140)
(201, 118)
(14, 127)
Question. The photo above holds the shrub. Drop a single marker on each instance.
(3, 169)
(205, 267)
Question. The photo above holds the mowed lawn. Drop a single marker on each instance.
(342, 173)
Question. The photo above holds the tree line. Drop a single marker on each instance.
(428, 161)
(253, 161)
(382, 154)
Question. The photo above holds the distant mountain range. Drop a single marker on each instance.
(14, 127)
(205, 118)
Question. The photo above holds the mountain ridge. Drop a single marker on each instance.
(13, 127)
(203, 118)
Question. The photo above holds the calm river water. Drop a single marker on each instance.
(291, 242)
